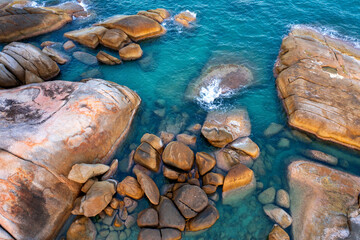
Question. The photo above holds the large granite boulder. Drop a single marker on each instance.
(225, 79)
(221, 128)
(317, 79)
(89, 37)
(321, 198)
(44, 130)
(17, 24)
(23, 63)
(137, 27)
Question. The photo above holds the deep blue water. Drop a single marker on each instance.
(240, 31)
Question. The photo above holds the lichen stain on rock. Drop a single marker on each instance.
(23, 202)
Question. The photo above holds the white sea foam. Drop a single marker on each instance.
(191, 13)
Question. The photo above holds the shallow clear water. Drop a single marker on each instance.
(227, 31)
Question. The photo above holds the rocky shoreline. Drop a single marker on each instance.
(58, 138)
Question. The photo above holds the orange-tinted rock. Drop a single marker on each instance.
(148, 218)
(203, 220)
(226, 158)
(114, 39)
(147, 156)
(161, 11)
(152, 15)
(71, 8)
(17, 24)
(209, 189)
(247, 146)
(81, 228)
(130, 187)
(238, 184)
(186, 139)
(190, 200)
(55, 55)
(185, 18)
(278, 215)
(154, 141)
(68, 122)
(205, 162)
(87, 36)
(221, 128)
(320, 200)
(320, 101)
(107, 59)
(166, 137)
(131, 52)
(177, 154)
(69, 45)
(82, 172)
(170, 173)
(112, 170)
(215, 179)
(137, 27)
(88, 184)
(277, 233)
(149, 187)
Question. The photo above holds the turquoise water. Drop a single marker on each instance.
(227, 31)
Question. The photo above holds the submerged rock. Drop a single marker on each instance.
(54, 125)
(203, 220)
(226, 158)
(219, 81)
(238, 184)
(137, 27)
(321, 156)
(85, 58)
(282, 198)
(317, 79)
(267, 196)
(17, 24)
(320, 200)
(278, 215)
(107, 59)
(55, 55)
(81, 228)
(247, 146)
(221, 128)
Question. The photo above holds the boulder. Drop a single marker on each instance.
(203, 220)
(282, 198)
(112, 170)
(7, 79)
(226, 158)
(82, 172)
(71, 8)
(221, 128)
(205, 162)
(148, 218)
(170, 234)
(114, 39)
(238, 184)
(186, 139)
(321, 156)
(97, 198)
(177, 154)
(225, 79)
(148, 186)
(185, 18)
(161, 11)
(29, 58)
(147, 156)
(215, 179)
(267, 196)
(247, 146)
(154, 141)
(17, 24)
(85, 58)
(320, 101)
(137, 27)
(169, 215)
(278, 215)
(320, 200)
(51, 127)
(149, 234)
(273, 129)
(81, 228)
(87, 36)
(55, 55)
(107, 59)
(152, 15)
(131, 52)
(277, 233)
(130, 187)
(190, 200)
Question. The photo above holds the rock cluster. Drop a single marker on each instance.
(44, 132)
(21, 23)
(317, 79)
(185, 18)
(118, 32)
(23, 63)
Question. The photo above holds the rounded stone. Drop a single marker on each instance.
(267, 196)
(148, 218)
(131, 52)
(130, 187)
(82, 228)
(177, 154)
(215, 179)
(169, 215)
(282, 198)
(205, 162)
(147, 156)
(190, 200)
